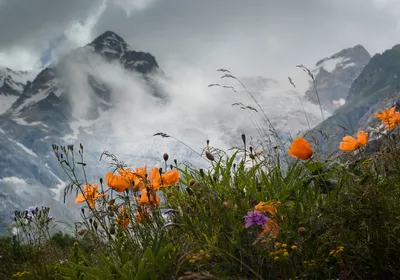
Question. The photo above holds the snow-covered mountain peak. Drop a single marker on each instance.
(335, 74)
(12, 83)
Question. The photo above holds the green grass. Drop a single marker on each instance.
(325, 205)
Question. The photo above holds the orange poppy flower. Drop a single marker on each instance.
(148, 198)
(386, 114)
(349, 143)
(117, 183)
(89, 195)
(141, 214)
(123, 219)
(301, 149)
(393, 121)
(271, 227)
(269, 206)
(168, 178)
(137, 179)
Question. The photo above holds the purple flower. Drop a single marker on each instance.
(254, 218)
(168, 211)
(31, 209)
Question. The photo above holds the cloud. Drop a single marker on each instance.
(129, 6)
(192, 112)
(256, 38)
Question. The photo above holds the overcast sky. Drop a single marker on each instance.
(249, 37)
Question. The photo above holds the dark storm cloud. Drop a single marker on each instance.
(30, 24)
(257, 36)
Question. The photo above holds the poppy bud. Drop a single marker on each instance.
(234, 166)
(176, 162)
(83, 211)
(81, 146)
(90, 220)
(165, 157)
(95, 225)
(112, 201)
(101, 181)
(160, 170)
(301, 230)
(112, 229)
(171, 167)
(251, 149)
(209, 156)
(244, 138)
(228, 204)
(252, 156)
(208, 142)
(192, 182)
(202, 173)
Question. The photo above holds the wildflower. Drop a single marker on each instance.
(228, 204)
(349, 143)
(293, 247)
(393, 121)
(255, 218)
(301, 149)
(31, 209)
(270, 227)
(276, 258)
(89, 195)
(123, 218)
(386, 115)
(168, 178)
(284, 245)
(286, 254)
(148, 198)
(141, 214)
(301, 230)
(269, 207)
(117, 183)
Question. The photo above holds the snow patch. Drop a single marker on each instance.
(349, 65)
(13, 180)
(6, 101)
(55, 86)
(28, 151)
(330, 64)
(340, 102)
(23, 122)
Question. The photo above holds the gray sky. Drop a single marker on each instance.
(252, 37)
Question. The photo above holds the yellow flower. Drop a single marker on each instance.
(276, 258)
(284, 245)
(293, 247)
(286, 254)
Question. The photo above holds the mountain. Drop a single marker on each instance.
(12, 84)
(54, 107)
(334, 76)
(376, 88)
